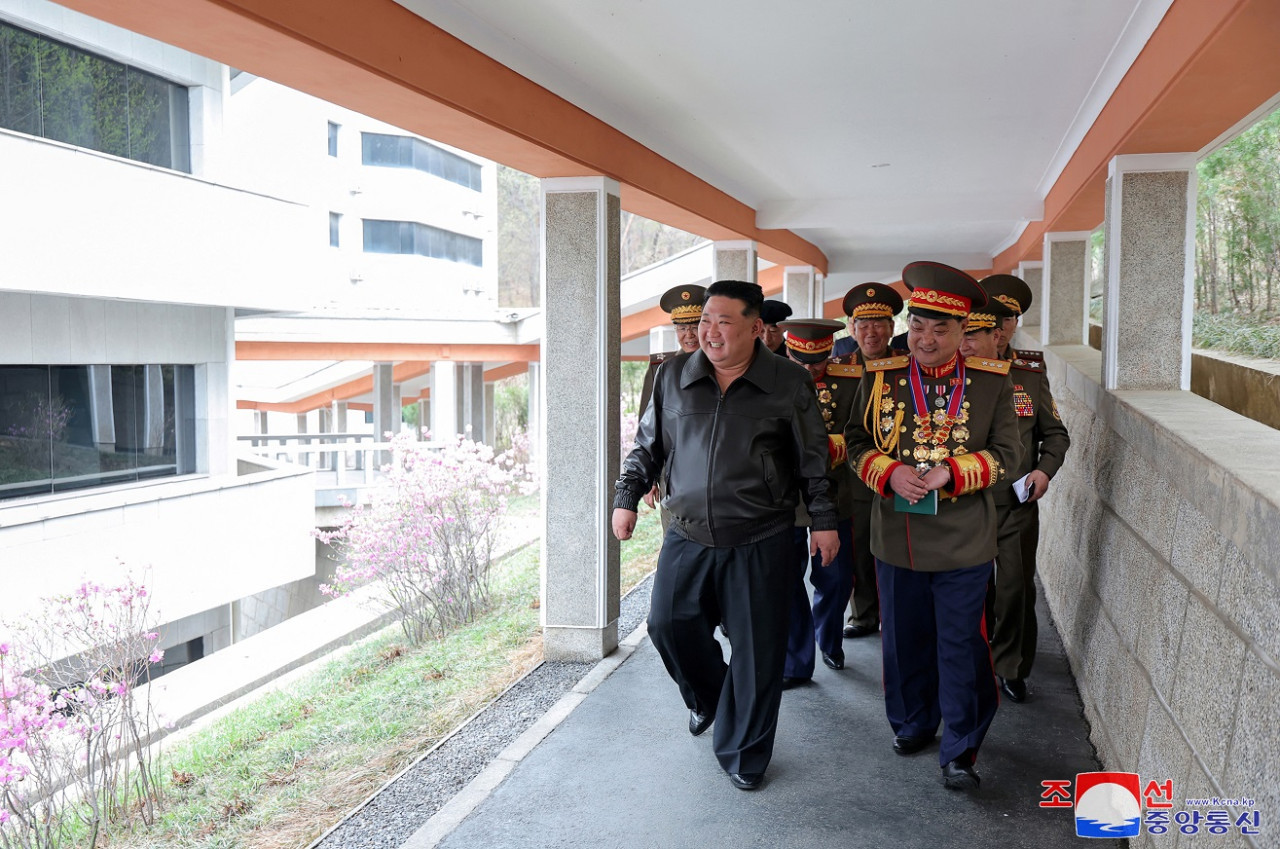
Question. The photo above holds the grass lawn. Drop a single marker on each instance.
(283, 768)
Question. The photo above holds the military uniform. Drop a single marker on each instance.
(1044, 447)
(933, 570)
(823, 621)
(684, 305)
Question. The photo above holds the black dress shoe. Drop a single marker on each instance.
(959, 775)
(1014, 688)
(699, 722)
(906, 745)
(834, 661)
(746, 780)
(790, 683)
(852, 632)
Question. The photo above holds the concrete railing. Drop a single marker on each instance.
(1158, 557)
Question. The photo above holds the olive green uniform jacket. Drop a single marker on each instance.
(980, 447)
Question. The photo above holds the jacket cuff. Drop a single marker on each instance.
(971, 473)
(837, 450)
(874, 469)
(626, 499)
(824, 522)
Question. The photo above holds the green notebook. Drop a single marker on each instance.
(927, 506)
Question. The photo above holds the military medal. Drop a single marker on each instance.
(960, 434)
(824, 396)
(936, 426)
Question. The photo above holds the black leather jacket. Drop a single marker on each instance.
(735, 464)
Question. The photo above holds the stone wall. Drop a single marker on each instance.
(1159, 555)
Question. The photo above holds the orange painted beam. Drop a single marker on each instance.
(1208, 65)
(508, 370)
(351, 389)
(383, 351)
(382, 60)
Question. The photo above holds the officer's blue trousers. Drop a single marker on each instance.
(832, 586)
(937, 665)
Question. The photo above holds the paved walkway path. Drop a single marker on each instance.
(621, 770)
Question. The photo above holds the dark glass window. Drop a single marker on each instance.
(410, 237)
(333, 139)
(408, 152)
(72, 427)
(335, 220)
(56, 91)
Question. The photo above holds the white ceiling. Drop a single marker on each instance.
(880, 130)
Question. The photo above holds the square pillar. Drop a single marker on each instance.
(471, 400)
(444, 401)
(490, 410)
(581, 351)
(1032, 273)
(802, 291)
(536, 427)
(1065, 306)
(1150, 262)
(662, 339)
(383, 402)
(733, 260)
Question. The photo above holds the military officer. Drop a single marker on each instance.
(771, 314)
(1013, 628)
(1015, 299)
(684, 305)
(809, 342)
(931, 433)
(870, 308)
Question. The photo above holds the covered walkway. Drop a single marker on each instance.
(613, 766)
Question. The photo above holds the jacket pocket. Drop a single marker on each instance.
(666, 472)
(772, 483)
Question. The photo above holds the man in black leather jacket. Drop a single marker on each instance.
(738, 435)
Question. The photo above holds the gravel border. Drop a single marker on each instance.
(394, 813)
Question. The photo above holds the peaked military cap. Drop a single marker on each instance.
(684, 303)
(940, 291)
(772, 312)
(987, 317)
(1011, 291)
(810, 340)
(872, 300)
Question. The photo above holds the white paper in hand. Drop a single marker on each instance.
(1020, 488)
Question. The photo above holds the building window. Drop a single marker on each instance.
(333, 139)
(409, 152)
(73, 427)
(56, 91)
(335, 221)
(410, 237)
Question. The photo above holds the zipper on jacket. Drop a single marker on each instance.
(715, 428)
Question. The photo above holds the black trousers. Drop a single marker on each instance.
(696, 587)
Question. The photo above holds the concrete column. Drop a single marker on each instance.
(537, 427)
(424, 416)
(383, 401)
(471, 400)
(153, 409)
(260, 421)
(800, 291)
(397, 408)
(1033, 274)
(1065, 305)
(444, 401)
(663, 339)
(102, 413)
(490, 409)
(734, 260)
(303, 459)
(1150, 271)
(340, 417)
(581, 355)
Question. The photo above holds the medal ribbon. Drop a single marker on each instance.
(922, 405)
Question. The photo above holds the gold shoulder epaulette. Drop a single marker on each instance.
(844, 370)
(888, 364)
(992, 365)
(1028, 365)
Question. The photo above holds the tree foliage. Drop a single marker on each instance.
(1238, 227)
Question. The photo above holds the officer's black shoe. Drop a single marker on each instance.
(746, 780)
(789, 683)
(1014, 688)
(699, 722)
(906, 745)
(852, 632)
(959, 775)
(834, 661)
